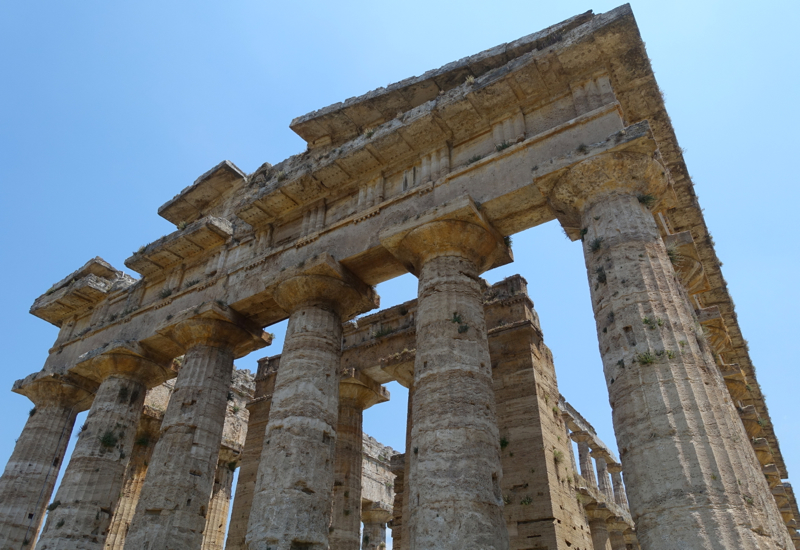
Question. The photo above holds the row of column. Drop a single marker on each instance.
(693, 480)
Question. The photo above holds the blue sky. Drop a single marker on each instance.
(109, 109)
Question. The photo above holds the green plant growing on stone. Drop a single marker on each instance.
(558, 456)
(53, 505)
(108, 439)
(596, 244)
(383, 331)
(647, 200)
(281, 175)
(584, 231)
(191, 283)
(463, 328)
(527, 501)
(235, 409)
(32, 412)
(182, 225)
(369, 133)
(503, 442)
(456, 318)
(601, 275)
(229, 397)
(507, 241)
(474, 158)
(469, 80)
(674, 256)
(504, 145)
(60, 523)
(582, 148)
(507, 499)
(645, 358)
(165, 293)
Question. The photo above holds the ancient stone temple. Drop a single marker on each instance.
(428, 176)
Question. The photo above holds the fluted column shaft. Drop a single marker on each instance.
(617, 540)
(619, 487)
(454, 481)
(374, 537)
(599, 531)
(603, 482)
(219, 504)
(92, 482)
(30, 475)
(585, 458)
(146, 437)
(346, 518)
(690, 479)
(292, 500)
(172, 507)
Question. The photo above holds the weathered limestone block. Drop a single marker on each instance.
(91, 486)
(455, 473)
(357, 392)
(292, 500)
(172, 508)
(32, 470)
(692, 476)
(217, 519)
(259, 409)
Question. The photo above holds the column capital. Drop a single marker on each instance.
(614, 467)
(216, 326)
(598, 511)
(581, 437)
(127, 359)
(628, 172)
(325, 282)
(456, 228)
(600, 453)
(356, 385)
(375, 512)
(55, 389)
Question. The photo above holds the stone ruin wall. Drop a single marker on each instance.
(427, 176)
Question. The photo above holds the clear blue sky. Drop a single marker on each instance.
(108, 109)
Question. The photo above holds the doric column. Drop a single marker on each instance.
(30, 475)
(172, 508)
(251, 457)
(598, 514)
(357, 392)
(616, 538)
(91, 486)
(692, 478)
(144, 443)
(398, 463)
(585, 457)
(569, 443)
(603, 482)
(292, 500)
(454, 479)
(218, 505)
(374, 536)
(615, 469)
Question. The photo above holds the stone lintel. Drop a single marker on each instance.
(125, 358)
(64, 390)
(449, 229)
(199, 236)
(357, 385)
(323, 281)
(194, 201)
(212, 324)
(400, 367)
